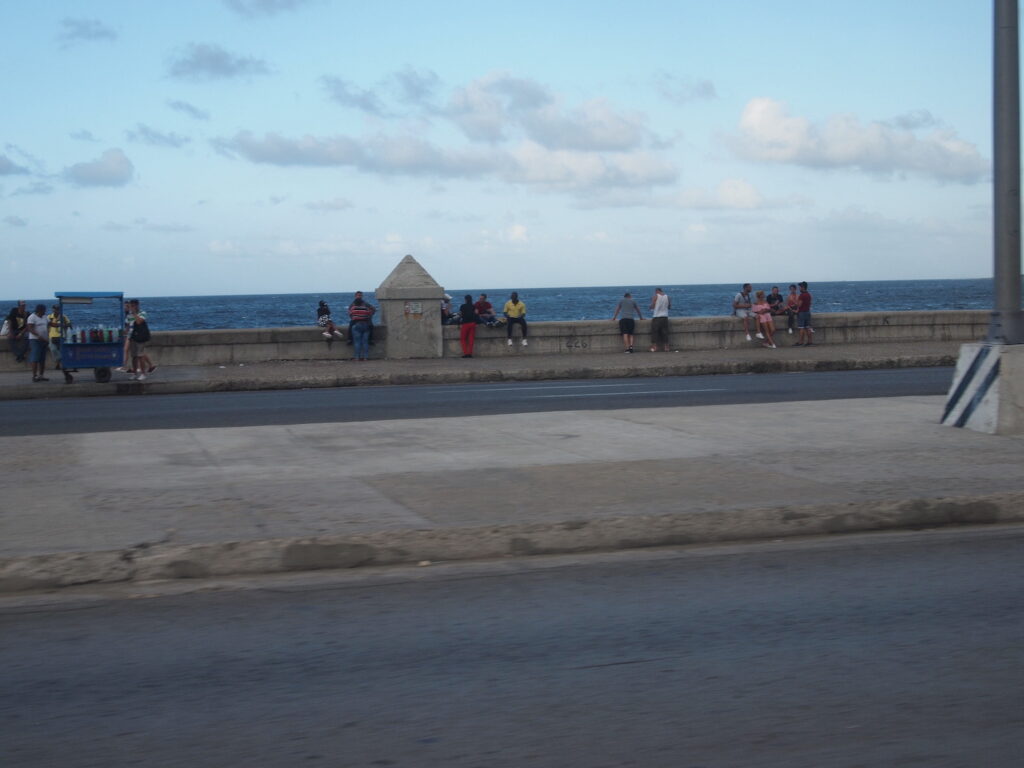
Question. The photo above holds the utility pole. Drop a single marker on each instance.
(1007, 325)
(988, 388)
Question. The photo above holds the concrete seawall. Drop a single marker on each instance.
(251, 345)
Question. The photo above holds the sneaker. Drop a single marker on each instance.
(525, 343)
(132, 375)
(759, 335)
(141, 377)
(121, 369)
(339, 334)
(774, 347)
(151, 370)
(790, 330)
(326, 335)
(748, 339)
(510, 342)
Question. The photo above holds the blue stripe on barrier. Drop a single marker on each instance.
(983, 389)
(965, 382)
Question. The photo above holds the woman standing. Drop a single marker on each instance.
(467, 331)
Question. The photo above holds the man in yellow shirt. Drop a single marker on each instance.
(57, 323)
(515, 314)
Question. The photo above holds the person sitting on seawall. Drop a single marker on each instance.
(369, 323)
(763, 312)
(485, 311)
(777, 302)
(515, 314)
(467, 333)
(447, 318)
(16, 335)
(792, 307)
(360, 313)
(741, 304)
(323, 320)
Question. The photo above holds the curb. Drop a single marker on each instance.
(28, 392)
(238, 558)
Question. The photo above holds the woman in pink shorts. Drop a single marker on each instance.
(763, 312)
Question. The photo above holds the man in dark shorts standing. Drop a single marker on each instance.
(803, 317)
(627, 324)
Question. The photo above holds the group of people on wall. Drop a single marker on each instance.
(756, 309)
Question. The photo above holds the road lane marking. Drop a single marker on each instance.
(615, 394)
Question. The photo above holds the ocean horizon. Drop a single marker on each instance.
(543, 304)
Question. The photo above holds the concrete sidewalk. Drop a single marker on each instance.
(517, 365)
(214, 502)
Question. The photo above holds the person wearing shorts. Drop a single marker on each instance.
(627, 323)
(741, 308)
(38, 332)
(803, 317)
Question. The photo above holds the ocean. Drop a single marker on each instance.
(170, 313)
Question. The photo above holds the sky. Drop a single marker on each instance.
(207, 147)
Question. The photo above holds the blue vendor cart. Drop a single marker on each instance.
(96, 339)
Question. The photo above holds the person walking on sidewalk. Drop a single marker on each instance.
(661, 303)
(627, 323)
(360, 313)
(803, 317)
(467, 330)
(515, 314)
(38, 332)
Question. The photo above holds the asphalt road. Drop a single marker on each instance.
(886, 650)
(100, 414)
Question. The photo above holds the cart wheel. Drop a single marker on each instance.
(68, 378)
(102, 375)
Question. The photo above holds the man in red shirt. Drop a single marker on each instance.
(803, 317)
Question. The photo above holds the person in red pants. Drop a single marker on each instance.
(467, 331)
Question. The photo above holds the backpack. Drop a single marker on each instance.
(140, 332)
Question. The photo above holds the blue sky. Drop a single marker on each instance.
(258, 146)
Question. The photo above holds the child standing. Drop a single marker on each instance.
(763, 312)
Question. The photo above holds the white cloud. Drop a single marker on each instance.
(252, 8)
(327, 206)
(730, 194)
(9, 168)
(35, 188)
(570, 170)
(188, 109)
(683, 90)
(499, 107)
(112, 169)
(84, 30)
(146, 135)
(15, 221)
(208, 61)
(349, 95)
(768, 133)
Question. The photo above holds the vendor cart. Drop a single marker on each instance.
(96, 339)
